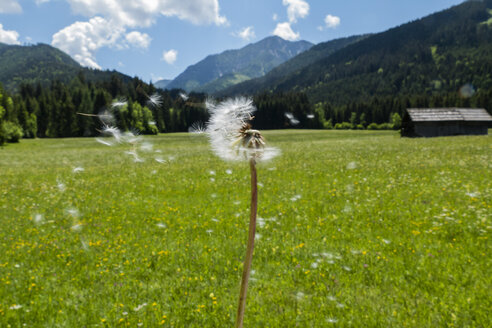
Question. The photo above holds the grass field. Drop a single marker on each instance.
(357, 229)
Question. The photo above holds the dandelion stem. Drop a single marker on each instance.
(250, 247)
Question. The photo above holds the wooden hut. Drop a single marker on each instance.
(437, 122)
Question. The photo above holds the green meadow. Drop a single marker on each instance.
(356, 229)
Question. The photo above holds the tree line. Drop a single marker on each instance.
(81, 108)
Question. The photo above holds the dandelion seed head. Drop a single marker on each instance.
(231, 136)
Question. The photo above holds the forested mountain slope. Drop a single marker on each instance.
(436, 54)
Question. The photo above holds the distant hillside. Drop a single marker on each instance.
(42, 63)
(317, 52)
(436, 54)
(232, 66)
(162, 84)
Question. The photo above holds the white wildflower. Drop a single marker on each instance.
(15, 307)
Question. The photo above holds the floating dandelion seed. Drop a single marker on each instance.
(184, 96)
(467, 90)
(160, 160)
(228, 171)
(119, 103)
(147, 147)
(104, 142)
(113, 131)
(332, 320)
(106, 117)
(292, 119)
(155, 100)
(161, 225)
(15, 307)
(233, 139)
(310, 116)
(78, 169)
(197, 128)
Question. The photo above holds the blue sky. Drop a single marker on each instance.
(155, 39)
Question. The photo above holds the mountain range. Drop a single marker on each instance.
(43, 64)
(436, 54)
(230, 67)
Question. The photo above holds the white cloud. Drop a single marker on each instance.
(82, 39)
(332, 21)
(144, 12)
(137, 39)
(296, 9)
(246, 33)
(10, 7)
(110, 19)
(170, 56)
(8, 37)
(284, 31)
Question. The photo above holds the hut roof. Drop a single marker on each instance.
(449, 114)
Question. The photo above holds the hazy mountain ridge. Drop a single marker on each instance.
(253, 60)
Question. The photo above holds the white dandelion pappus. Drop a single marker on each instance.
(197, 128)
(292, 119)
(112, 131)
(226, 127)
(78, 169)
(104, 142)
(106, 117)
(119, 103)
(184, 96)
(155, 100)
